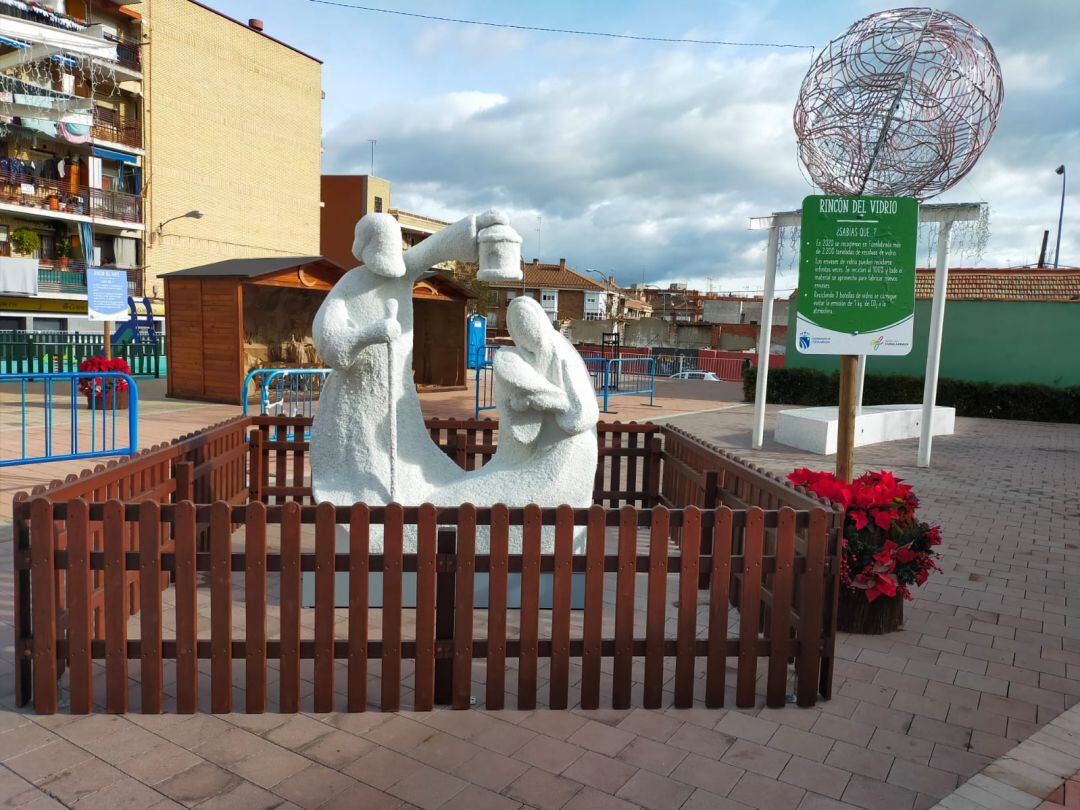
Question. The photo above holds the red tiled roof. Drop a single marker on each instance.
(552, 277)
(1006, 284)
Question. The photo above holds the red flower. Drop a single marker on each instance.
(95, 385)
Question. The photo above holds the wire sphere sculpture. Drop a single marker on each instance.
(902, 104)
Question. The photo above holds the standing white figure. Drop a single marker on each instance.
(368, 441)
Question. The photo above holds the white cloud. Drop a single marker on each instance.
(659, 165)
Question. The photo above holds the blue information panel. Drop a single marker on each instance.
(106, 294)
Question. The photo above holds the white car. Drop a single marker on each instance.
(695, 375)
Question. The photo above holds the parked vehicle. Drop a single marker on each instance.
(695, 375)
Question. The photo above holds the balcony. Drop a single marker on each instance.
(40, 15)
(128, 51)
(72, 279)
(109, 125)
(58, 197)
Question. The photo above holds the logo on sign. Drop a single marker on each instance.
(804, 340)
(876, 342)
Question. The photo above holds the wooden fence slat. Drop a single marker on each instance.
(780, 629)
(324, 607)
(719, 583)
(812, 609)
(687, 621)
(656, 606)
(559, 685)
(187, 665)
(592, 622)
(424, 678)
(463, 606)
(530, 607)
(78, 603)
(289, 663)
(749, 607)
(496, 654)
(615, 462)
(220, 608)
(390, 700)
(151, 671)
(359, 548)
(255, 605)
(624, 608)
(43, 593)
(116, 609)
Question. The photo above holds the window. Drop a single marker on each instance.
(492, 320)
(510, 296)
(9, 324)
(549, 299)
(378, 205)
(50, 324)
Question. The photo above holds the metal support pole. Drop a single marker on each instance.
(933, 352)
(765, 336)
(859, 385)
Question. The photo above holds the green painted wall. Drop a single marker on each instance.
(987, 341)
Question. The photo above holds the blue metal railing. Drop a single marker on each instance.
(284, 392)
(63, 431)
(629, 375)
(485, 379)
(611, 378)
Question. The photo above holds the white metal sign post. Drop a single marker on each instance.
(945, 214)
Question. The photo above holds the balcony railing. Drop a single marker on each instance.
(57, 195)
(109, 125)
(128, 52)
(39, 14)
(52, 278)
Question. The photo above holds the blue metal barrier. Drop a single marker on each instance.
(285, 392)
(485, 379)
(629, 375)
(72, 433)
(611, 378)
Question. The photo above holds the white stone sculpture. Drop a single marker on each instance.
(369, 443)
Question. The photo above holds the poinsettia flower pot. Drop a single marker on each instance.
(104, 400)
(856, 615)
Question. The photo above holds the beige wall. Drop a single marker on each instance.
(233, 129)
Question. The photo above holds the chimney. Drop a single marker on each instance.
(255, 25)
(562, 264)
(535, 262)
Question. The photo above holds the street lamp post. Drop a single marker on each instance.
(1061, 213)
(189, 215)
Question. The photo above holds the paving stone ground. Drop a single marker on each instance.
(989, 653)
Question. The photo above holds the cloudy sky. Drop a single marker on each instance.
(646, 160)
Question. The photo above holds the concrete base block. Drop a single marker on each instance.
(815, 429)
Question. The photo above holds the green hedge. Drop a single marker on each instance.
(1028, 402)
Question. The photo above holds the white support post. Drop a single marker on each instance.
(933, 353)
(765, 336)
(859, 385)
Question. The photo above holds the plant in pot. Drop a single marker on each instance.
(104, 393)
(63, 249)
(886, 549)
(24, 242)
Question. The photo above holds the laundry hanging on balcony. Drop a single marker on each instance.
(18, 275)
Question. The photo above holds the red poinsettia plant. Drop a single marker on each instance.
(886, 548)
(95, 385)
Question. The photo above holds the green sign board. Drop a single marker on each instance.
(857, 275)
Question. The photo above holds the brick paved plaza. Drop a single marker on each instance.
(989, 653)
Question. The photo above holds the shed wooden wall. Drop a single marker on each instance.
(203, 339)
(439, 343)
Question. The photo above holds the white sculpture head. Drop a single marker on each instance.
(530, 327)
(377, 244)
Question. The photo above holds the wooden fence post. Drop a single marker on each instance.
(444, 615)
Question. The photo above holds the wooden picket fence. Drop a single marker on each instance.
(95, 550)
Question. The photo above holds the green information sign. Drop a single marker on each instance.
(857, 275)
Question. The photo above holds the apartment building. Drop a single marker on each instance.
(72, 164)
(348, 197)
(150, 137)
(564, 294)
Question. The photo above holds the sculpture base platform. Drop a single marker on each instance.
(815, 429)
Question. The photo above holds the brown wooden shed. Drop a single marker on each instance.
(226, 318)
